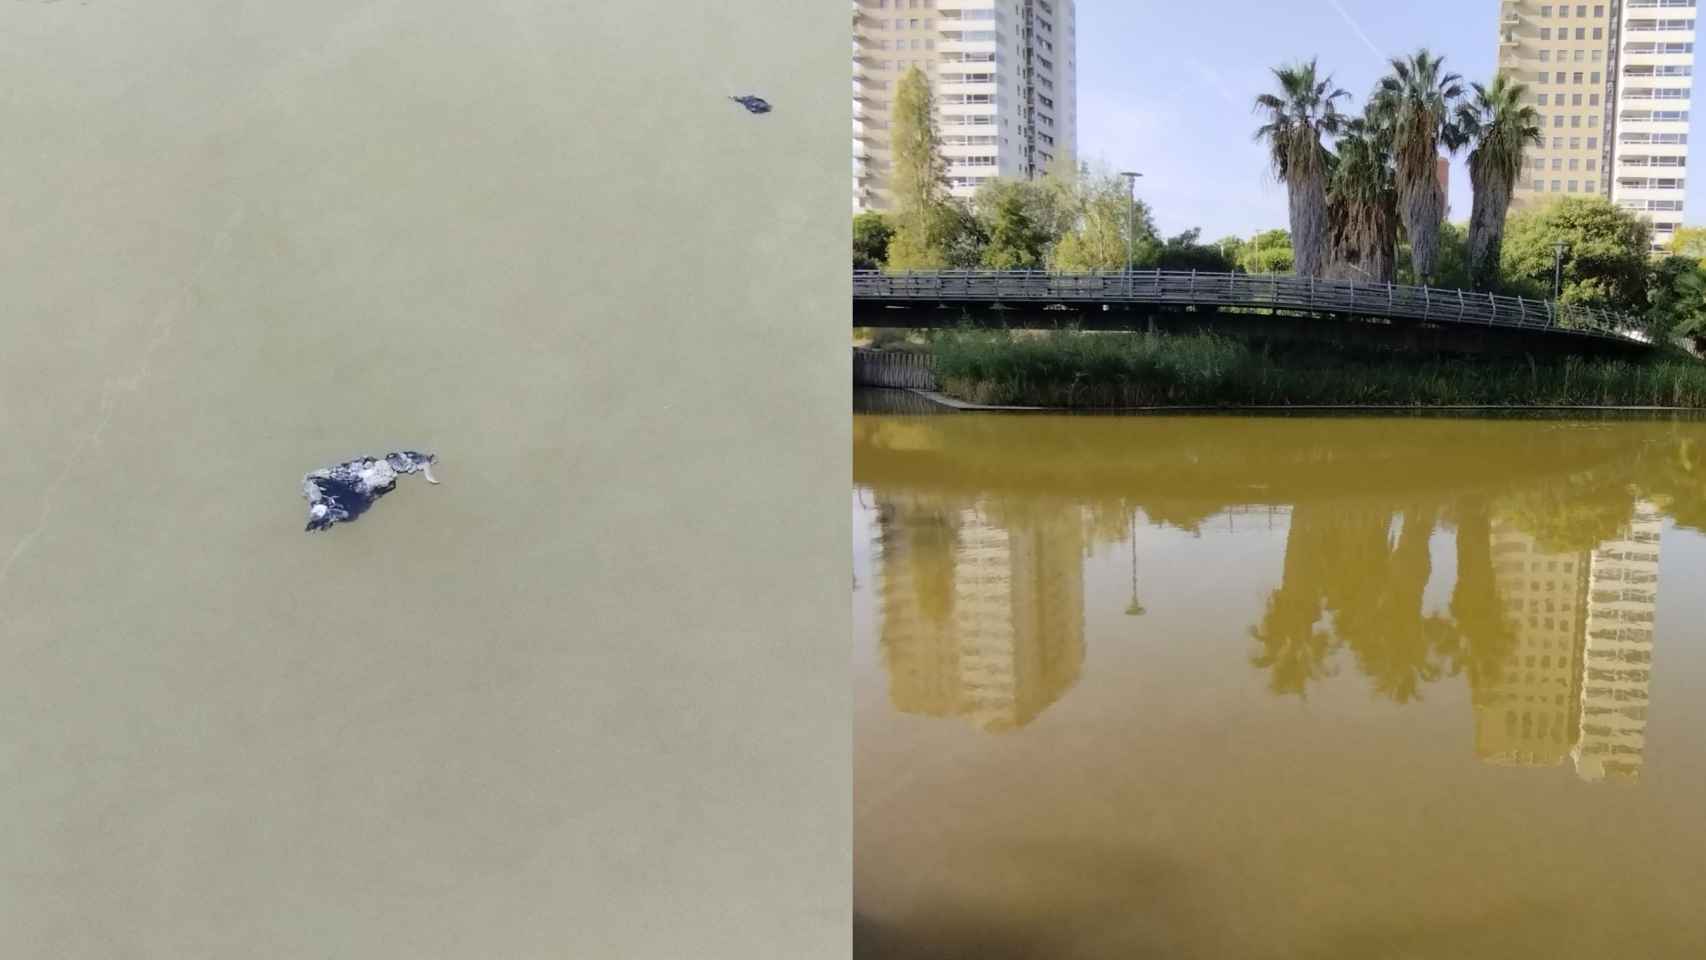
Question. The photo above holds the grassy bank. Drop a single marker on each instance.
(1079, 369)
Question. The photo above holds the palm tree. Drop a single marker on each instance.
(1298, 116)
(1501, 126)
(1362, 200)
(1416, 102)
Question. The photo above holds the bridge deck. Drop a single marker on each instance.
(1033, 290)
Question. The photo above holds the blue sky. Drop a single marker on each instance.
(1155, 94)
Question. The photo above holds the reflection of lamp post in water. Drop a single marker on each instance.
(1134, 609)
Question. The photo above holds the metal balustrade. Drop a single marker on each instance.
(1279, 292)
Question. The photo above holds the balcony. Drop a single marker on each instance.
(1508, 38)
(1511, 15)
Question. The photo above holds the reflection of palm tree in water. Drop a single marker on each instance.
(1294, 649)
(1483, 635)
(1381, 620)
(1344, 562)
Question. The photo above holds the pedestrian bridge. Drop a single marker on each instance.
(1237, 304)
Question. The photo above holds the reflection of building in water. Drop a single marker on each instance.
(1527, 715)
(981, 619)
(1621, 605)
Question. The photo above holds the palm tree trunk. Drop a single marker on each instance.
(1307, 196)
(1423, 207)
(1486, 230)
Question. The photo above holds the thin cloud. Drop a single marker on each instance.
(1213, 78)
(1344, 15)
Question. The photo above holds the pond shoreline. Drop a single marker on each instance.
(1135, 373)
(957, 404)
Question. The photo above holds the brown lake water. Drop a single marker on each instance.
(1278, 687)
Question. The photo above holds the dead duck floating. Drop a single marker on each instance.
(344, 492)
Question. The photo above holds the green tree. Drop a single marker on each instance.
(1269, 252)
(871, 235)
(1502, 127)
(1183, 252)
(1014, 217)
(1232, 248)
(1689, 242)
(1417, 101)
(1676, 297)
(1297, 117)
(1605, 261)
(1099, 207)
(1452, 266)
(924, 220)
(1362, 203)
(964, 236)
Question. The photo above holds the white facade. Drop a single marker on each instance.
(1618, 660)
(1004, 77)
(1655, 81)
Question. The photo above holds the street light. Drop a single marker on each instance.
(1131, 224)
(1557, 268)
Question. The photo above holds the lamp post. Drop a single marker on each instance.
(1557, 268)
(1131, 225)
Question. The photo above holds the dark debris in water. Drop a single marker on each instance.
(753, 104)
(344, 492)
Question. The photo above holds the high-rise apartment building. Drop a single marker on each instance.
(1612, 82)
(1003, 74)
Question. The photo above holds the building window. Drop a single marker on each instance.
(1575, 143)
(1596, 55)
(1593, 144)
(1596, 78)
(1557, 187)
(1593, 164)
(1581, 10)
(1557, 163)
(913, 23)
(1558, 121)
(1589, 186)
(1545, 57)
(1580, 56)
(1576, 120)
(1599, 33)
(1574, 163)
(1560, 77)
(1581, 34)
(1545, 33)
(1557, 143)
(1543, 99)
(1544, 11)
(1599, 11)
(1593, 99)
(1576, 78)
(1593, 119)
(1576, 100)
(1563, 55)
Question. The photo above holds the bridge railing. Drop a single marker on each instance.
(1251, 290)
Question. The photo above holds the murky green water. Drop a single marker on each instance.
(1279, 687)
